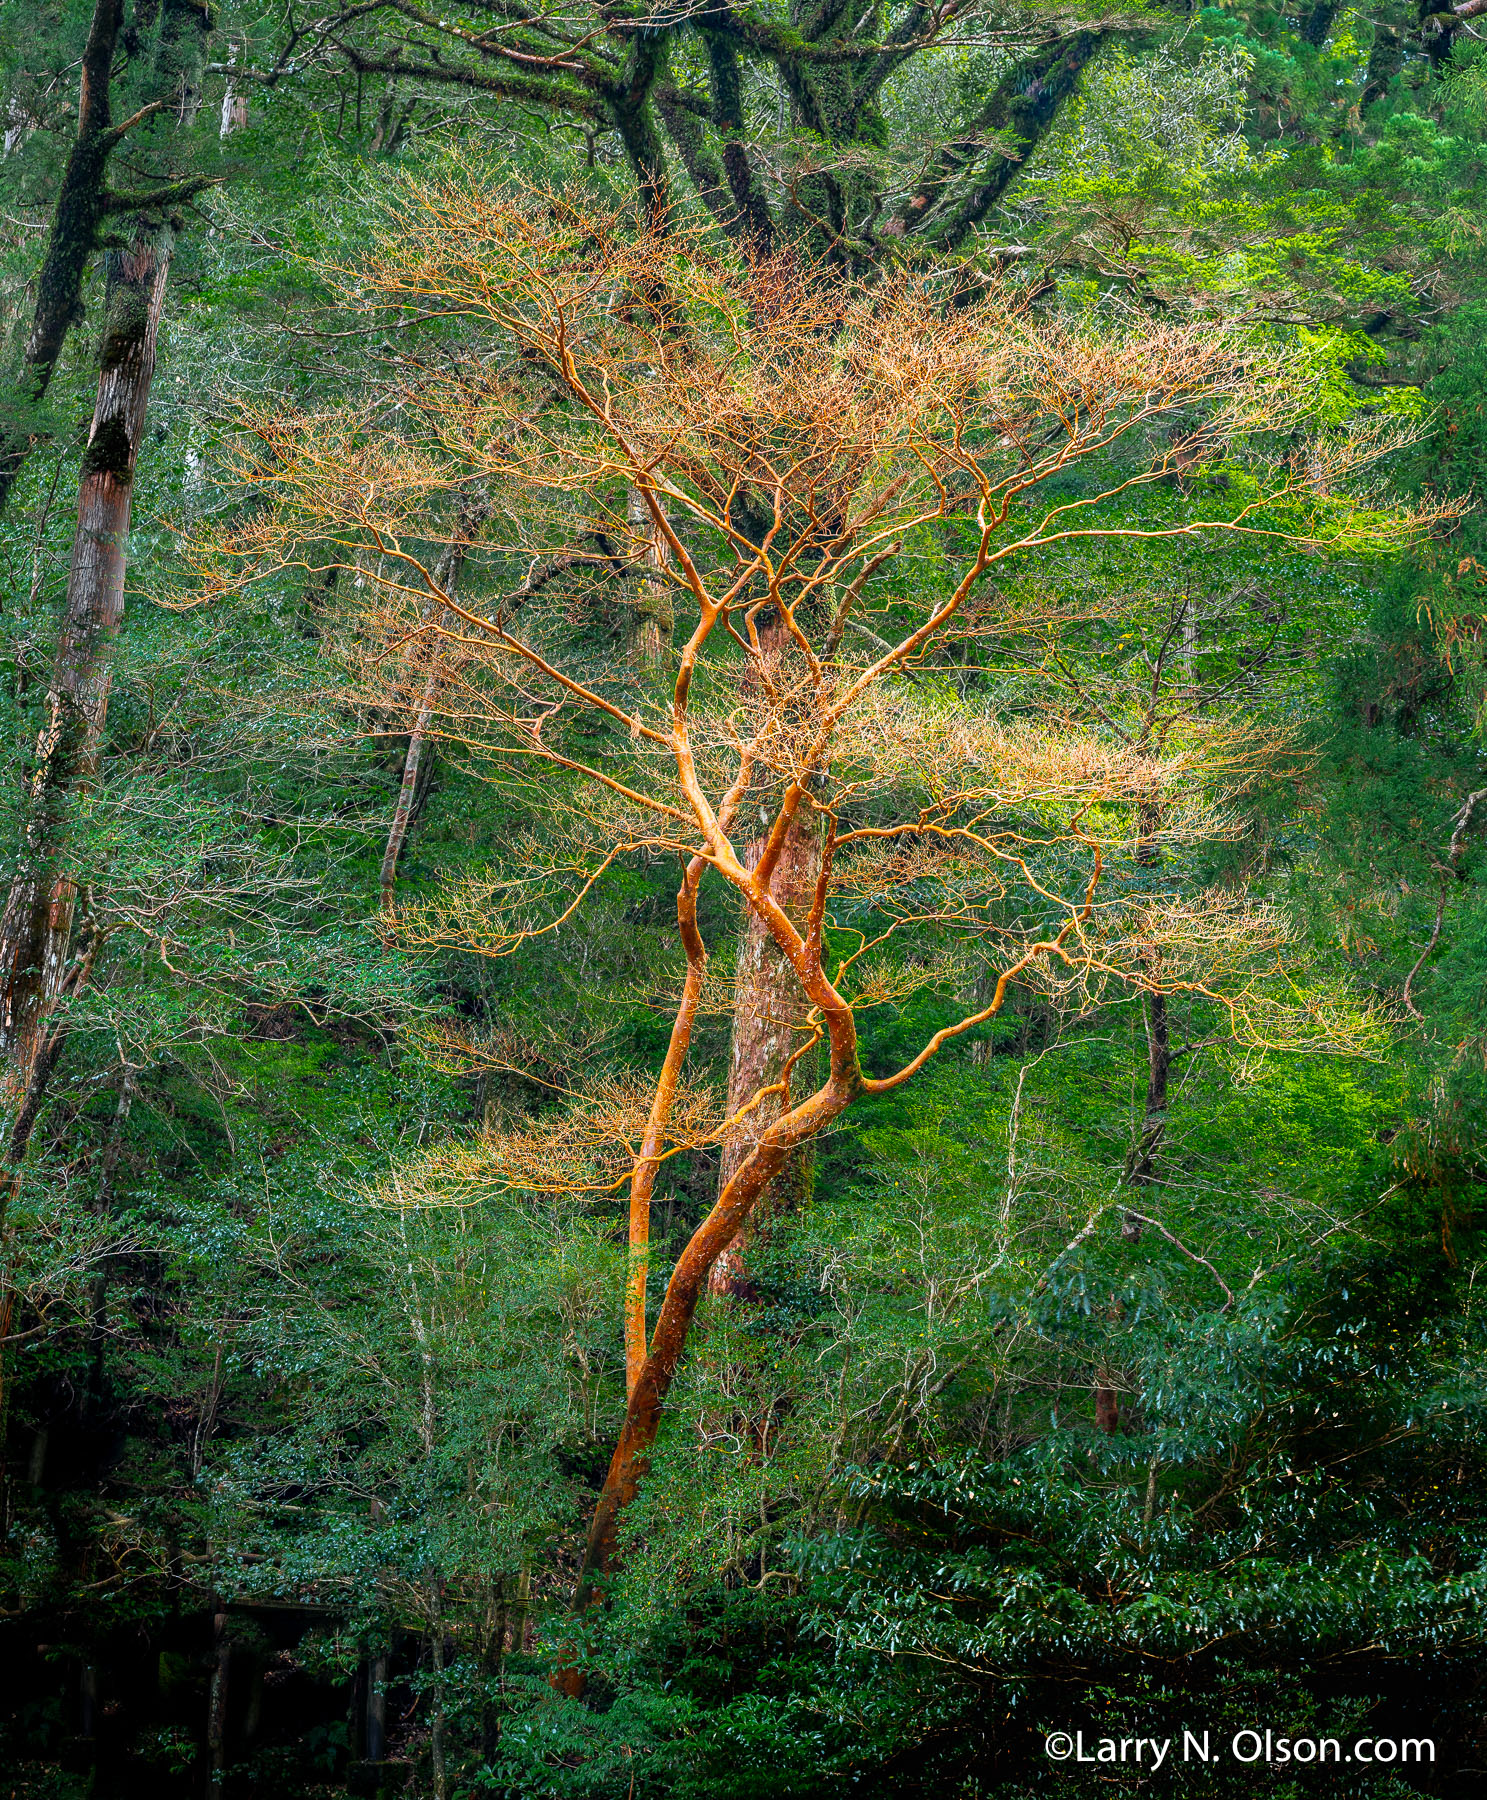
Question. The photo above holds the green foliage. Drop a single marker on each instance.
(887, 1541)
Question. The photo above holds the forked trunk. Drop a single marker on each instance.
(683, 1293)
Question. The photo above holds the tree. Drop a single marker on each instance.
(777, 120)
(85, 202)
(791, 441)
(37, 928)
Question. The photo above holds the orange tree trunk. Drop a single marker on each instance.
(683, 1292)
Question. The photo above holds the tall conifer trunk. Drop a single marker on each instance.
(70, 244)
(37, 926)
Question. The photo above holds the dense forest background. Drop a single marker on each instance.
(1123, 1370)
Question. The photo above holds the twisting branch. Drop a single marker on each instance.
(788, 434)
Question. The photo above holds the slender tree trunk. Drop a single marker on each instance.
(1142, 1171)
(1140, 1168)
(37, 923)
(73, 236)
(377, 1707)
(642, 1181)
(436, 1656)
(683, 1293)
(446, 573)
(217, 1706)
(654, 618)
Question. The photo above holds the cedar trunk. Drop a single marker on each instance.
(70, 244)
(37, 924)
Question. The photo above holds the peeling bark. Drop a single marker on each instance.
(769, 1010)
(37, 925)
(73, 236)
